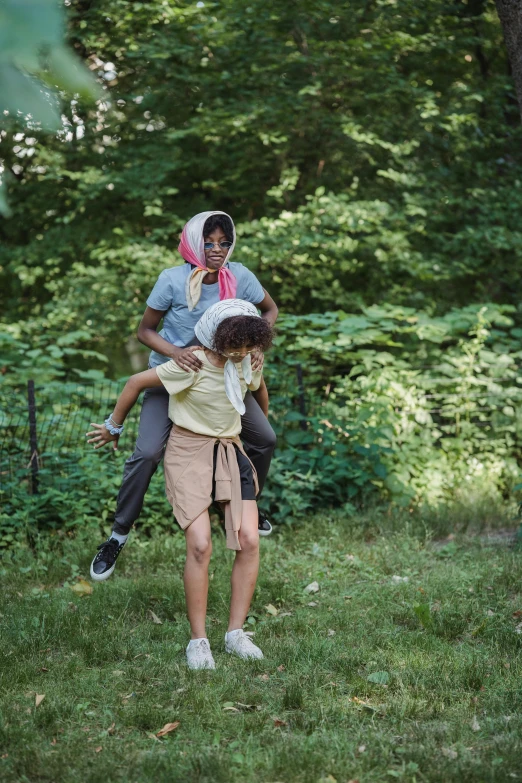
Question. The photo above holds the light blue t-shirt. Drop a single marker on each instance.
(168, 295)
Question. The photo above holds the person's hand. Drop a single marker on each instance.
(185, 358)
(257, 359)
(101, 436)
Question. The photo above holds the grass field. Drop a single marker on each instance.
(405, 665)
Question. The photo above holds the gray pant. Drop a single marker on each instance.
(257, 435)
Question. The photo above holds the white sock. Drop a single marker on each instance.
(197, 640)
(119, 538)
(230, 634)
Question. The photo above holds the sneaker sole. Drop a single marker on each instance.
(265, 532)
(200, 668)
(101, 577)
(246, 657)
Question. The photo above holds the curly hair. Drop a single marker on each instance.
(242, 330)
(219, 221)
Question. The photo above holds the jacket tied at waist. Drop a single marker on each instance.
(189, 473)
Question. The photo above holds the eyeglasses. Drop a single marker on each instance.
(234, 354)
(222, 245)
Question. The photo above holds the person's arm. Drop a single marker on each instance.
(269, 309)
(269, 312)
(131, 391)
(148, 335)
(261, 397)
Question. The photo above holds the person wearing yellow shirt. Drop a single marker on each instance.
(205, 461)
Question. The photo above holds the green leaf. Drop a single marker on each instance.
(380, 678)
(424, 616)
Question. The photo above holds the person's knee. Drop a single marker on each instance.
(148, 455)
(271, 440)
(249, 541)
(201, 549)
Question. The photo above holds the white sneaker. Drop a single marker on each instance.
(238, 643)
(199, 655)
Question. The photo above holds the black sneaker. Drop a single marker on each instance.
(105, 561)
(263, 525)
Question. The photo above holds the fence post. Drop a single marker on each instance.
(33, 441)
(302, 402)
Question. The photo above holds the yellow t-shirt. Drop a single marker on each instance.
(198, 400)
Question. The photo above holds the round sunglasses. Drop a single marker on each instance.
(222, 245)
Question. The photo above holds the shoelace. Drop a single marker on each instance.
(108, 551)
(243, 643)
(201, 649)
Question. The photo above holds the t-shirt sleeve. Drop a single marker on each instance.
(251, 288)
(256, 380)
(173, 378)
(162, 294)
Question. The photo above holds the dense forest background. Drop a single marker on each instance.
(370, 155)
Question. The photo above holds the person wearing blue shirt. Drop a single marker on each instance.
(180, 297)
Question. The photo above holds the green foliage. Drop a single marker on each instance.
(415, 408)
(370, 157)
(395, 405)
(368, 154)
(32, 42)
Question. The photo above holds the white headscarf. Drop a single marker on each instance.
(192, 249)
(205, 331)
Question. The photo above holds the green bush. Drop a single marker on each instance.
(390, 405)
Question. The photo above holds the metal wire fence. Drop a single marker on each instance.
(42, 428)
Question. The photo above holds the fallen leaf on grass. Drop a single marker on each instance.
(313, 587)
(5, 755)
(167, 728)
(54, 741)
(278, 723)
(39, 699)
(248, 707)
(228, 706)
(361, 748)
(264, 677)
(155, 618)
(423, 613)
(397, 580)
(518, 613)
(82, 588)
(98, 749)
(285, 614)
(110, 730)
(331, 632)
(271, 610)
(44, 669)
(313, 603)
(380, 678)
(153, 736)
(475, 725)
(449, 753)
(281, 668)
(118, 672)
(364, 705)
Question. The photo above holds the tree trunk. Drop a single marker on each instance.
(510, 15)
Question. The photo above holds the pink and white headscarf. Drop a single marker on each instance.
(191, 249)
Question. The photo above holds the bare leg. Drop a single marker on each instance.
(199, 549)
(246, 566)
